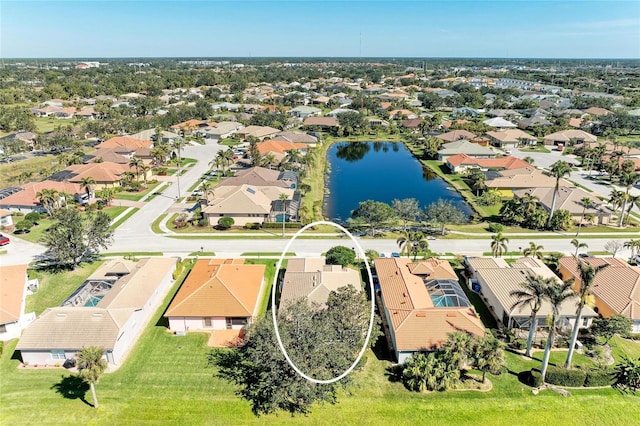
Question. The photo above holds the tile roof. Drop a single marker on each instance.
(279, 146)
(510, 135)
(617, 285)
(525, 177)
(506, 162)
(126, 142)
(569, 198)
(258, 131)
(12, 287)
(215, 287)
(455, 135)
(498, 122)
(27, 197)
(106, 172)
(502, 278)
(295, 137)
(416, 322)
(242, 199)
(464, 147)
(571, 134)
(311, 278)
(256, 176)
(321, 121)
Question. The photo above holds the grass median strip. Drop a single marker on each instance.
(267, 254)
(124, 218)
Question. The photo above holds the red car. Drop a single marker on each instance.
(4, 240)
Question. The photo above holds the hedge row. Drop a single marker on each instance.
(288, 225)
(570, 378)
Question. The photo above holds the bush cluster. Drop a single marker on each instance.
(566, 377)
(287, 225)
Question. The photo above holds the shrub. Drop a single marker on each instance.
(203, 222)
(340, 255)
(23, 226)
(565, 377)
(225, 222)
(287, 225)
(251, 225)
(627, 374)
(17, 214)
(532, 378)
(599, 377)
(496, 227)
(33, 217)
(519, 344)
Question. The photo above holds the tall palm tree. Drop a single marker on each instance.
(499, 244)
(634, 246)
(90, 366)
(556, 294)
(529, 202)
(283, 198)
(628, 180)
(144, 170)
(558, 170)
(136, 163)
(531, 293)
(412, 243)
(587, 274)
(49, 199)
(269, 159)
(294, 157)
(578, 245)
(634, 201)
(87, 183)
(178, 145)
(616, 198)
(533, 250)
(586, 203)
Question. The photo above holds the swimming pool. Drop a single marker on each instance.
(93, 301)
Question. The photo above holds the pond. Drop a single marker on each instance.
(381, 171)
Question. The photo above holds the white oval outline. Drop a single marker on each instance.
(273, 304)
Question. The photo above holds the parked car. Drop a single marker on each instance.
(4, 240)
(395, 254)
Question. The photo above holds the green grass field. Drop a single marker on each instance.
(165, 380)
(9, 171)
(136, 196)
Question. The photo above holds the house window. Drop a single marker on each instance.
(3, 328)
(585, 322)
(235, 321)
(57, 355)
(208, 322)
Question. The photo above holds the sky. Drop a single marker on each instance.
(494, 29)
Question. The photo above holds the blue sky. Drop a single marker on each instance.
(512, 29)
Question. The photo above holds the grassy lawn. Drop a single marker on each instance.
(136, 196)
(55, 287)
(268, 279)
(202, 253)
(114, 211)
(124, 218)
(132, 254)
(48, 124)
(165, 380)
(311, 207)
(35, 234)
(230, 142)
(8, 171)
(266, 253)
(155, 226)
(536, 148)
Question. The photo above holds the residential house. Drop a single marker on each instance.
(597, 111)
(460, 162)
(261, 176)
(422, 303)
(533, 121)
(404, 113)
(313, 280)
(125, 144)
(510, 138)
(222, 130)
(6, 220)
(322, 123)
(259, 132)
(456, 135)
(570, 198)
(494, 280)
(13, 297)
(464, 112)
(109, 155)
(25, 199)
(110, 310)
(507, 181)
(303, 111)
(151, 135)
(279, 148)
(499, 122)
(464, 147)
(249, 204)
(569, 137)
(105, 175)
(616, 288)
(219, 295)
(296, 137)
(189, 126)
(413, 124)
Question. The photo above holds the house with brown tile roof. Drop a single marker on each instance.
(597, 111)
(218, 295)
(279, 148)
(107, 155)
(259, 132)
(507, 181)
(461, 162)
(26, 200)
(323, 123)
(570, 199)
(405, 113)
(616, 288)
(126, 143)
(456, 135)
(13, 297)
(105, 174)
(190, 125)
(569, 137)
(511, 138)
(261, 176)
(423, 303)
(494, 280)
(110, 309)
(312, 279)
(296, 137)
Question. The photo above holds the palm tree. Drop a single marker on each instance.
(136, 163)
(294, 157)
(628, 180)
(531, 293)
(634, 201)
(633, 245)
(87, 183)
(106, 194)
(144, 170)
(488, 356)
(578, 245)
(178, 145)
(587, 275)
(586, 203)
(528, 203)
(558, 170)
(283, 198)
(533, 250)
(556, 294)
(90, 366)
(499, 244)
(268, 159)
(412, 243)
(49, 199)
